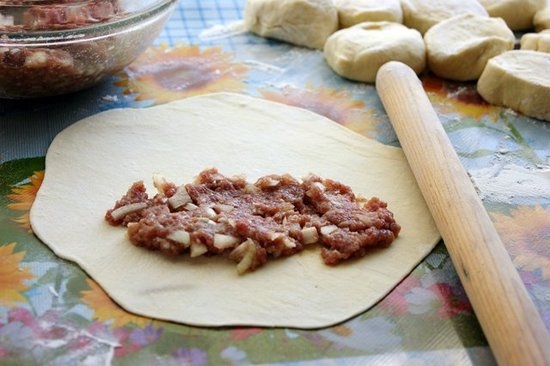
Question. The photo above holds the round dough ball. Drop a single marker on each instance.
(458, 48)
(541, 20)
(352, 12)
(518, 80)
(358, 52)
(422, 14)
(305, 23)
(518, 14)
(536, 41)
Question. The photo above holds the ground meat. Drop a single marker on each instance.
(277, 216)
(58, 14)
(33, 70)
(43, 69)
(69, 16)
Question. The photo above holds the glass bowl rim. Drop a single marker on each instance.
(102, 29)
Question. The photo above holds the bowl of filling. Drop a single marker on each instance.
(53, 47)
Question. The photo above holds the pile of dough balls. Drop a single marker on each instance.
(461, 40)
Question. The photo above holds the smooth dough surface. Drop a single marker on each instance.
(518, 79)
(536, 41)
(306, 23)
(422, 14)
(541, 20)
(352, 12)
(458, 48)
(93, 162)
(358, 52)
(518, 14)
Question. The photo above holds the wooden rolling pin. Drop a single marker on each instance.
(512, 325)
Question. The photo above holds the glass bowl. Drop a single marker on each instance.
(53, 47)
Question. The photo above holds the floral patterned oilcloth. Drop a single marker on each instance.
(52, 313)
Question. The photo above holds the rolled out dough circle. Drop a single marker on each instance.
(93, 162)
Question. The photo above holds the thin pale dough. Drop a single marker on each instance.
(92, 162)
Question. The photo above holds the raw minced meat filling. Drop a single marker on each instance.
(250, 223)
(58, 14)
(49, 68)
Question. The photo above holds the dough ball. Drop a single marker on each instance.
(536, 41)
(422, 14)
(518, 14)
(352, 12)
(458, 48)
(518, 79)
(358, 52)
(305, 23)
(541, 20)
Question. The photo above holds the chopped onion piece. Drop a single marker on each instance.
(122, 211)
(165, 245)
(206, 220)
(180, 198)
(159, 182)
(220, 207)
(271, 182)
(209, 211)
(361, 201)
(244, 253)
(310, 235)
(180, 236)
(251, 188)
(197, 249)
(365, 219)
(289, 243)
(222, 241)
(316, 186)
(294, 226)
(190, 206)
(238, 253)
(326, 230)
(132, 228)
(274, 235)
(320, 186)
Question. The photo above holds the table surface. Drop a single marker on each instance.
(51, 312)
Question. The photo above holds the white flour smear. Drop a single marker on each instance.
(509, 182)
(221, 31)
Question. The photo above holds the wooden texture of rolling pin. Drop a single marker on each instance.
(514, 329)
